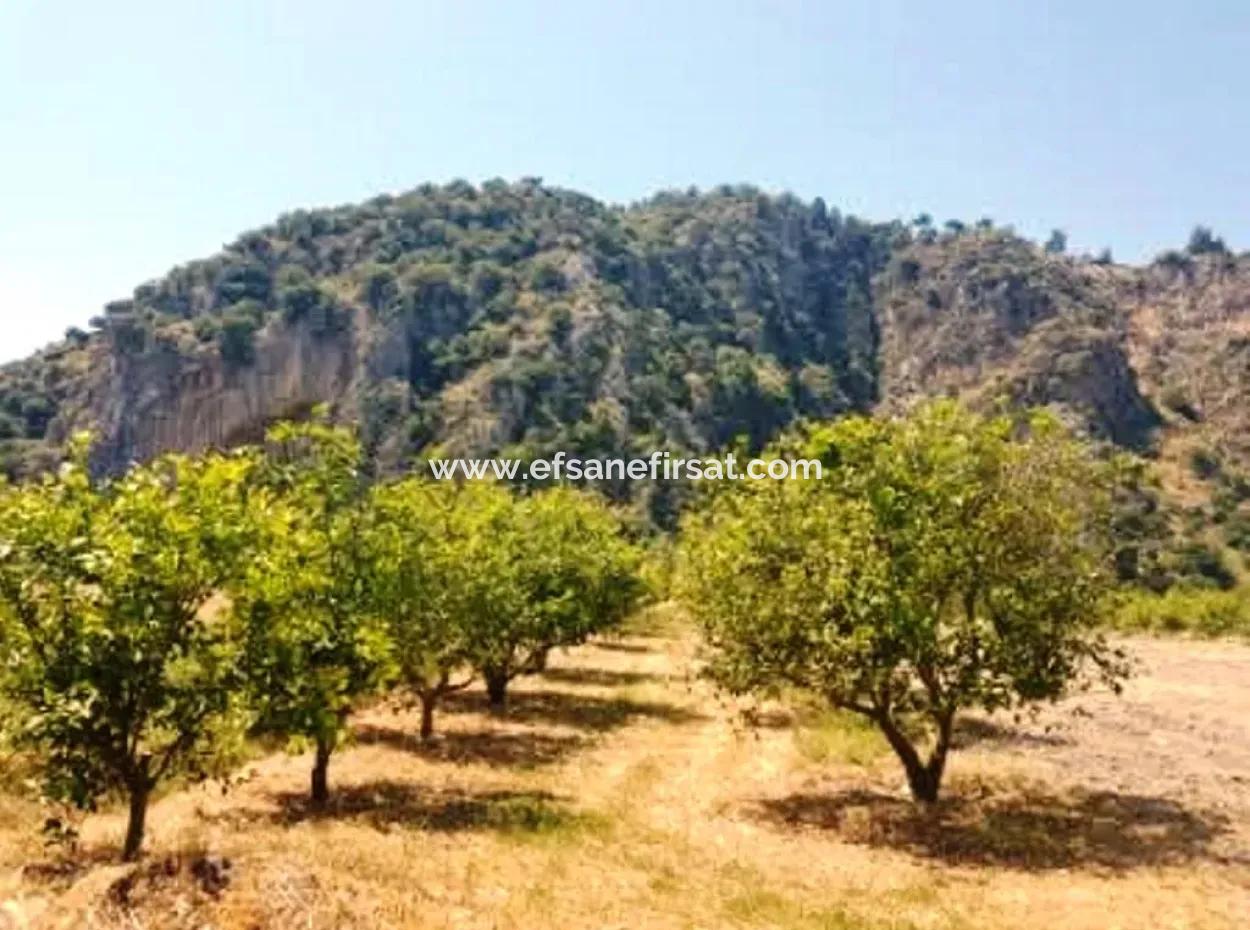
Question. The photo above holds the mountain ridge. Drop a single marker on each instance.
(520, 319)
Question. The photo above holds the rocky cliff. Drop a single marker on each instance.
(191, 399)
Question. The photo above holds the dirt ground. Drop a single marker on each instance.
(620, 792)
(1180, 731)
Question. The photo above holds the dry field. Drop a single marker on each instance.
(620, 792)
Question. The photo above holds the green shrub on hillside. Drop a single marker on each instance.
(236, 337)
(1198, 564)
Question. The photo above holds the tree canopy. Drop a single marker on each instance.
(946, 561)
(561, 571)
(434, 564)
(116, 668)
(311, 647)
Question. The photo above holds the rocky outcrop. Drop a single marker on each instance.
(1086, 372)
(166, 400)
(990, 318)
(1189, 341)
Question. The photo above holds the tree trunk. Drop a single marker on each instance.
(320, 772)
(924, 782)
(139, 794)
(496, 687)
(539, 663)
(937, 761)
(923, 778)
(428, 700)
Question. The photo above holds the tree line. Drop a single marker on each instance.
(267, 590)
(947, 561)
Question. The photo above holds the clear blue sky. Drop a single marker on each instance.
(137, 135)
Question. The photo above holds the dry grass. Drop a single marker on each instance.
(620, 792)
(824, 736)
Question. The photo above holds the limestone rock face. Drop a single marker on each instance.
(992, 318)
(168, 401)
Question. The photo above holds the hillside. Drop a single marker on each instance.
(523, 319)
(512, 317)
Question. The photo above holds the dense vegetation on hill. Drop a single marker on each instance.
(522, 319)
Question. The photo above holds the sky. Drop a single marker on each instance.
(135, 136)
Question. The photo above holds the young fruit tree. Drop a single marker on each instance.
(946, 561)
(430, 559)
(311, 647)
(114, 671)
(554, 569)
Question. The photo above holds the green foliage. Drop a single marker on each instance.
(560, 322)
(432, 556)
(311, 647)
(1204, 463)
(10, 426)
(945, 561)
(115, 670)
(423, 581)
(1197, 562)
(121, 667)
(27, 402)
(236, 336)
(207, 328)
(378, 287)
(1151, 550)
(383, 408)
(546, 276)
(1237, 531)
(557, 570)
(298, 295)
(823, 734)
(1057, 244)
(1200, 611)
(242, 279)
(520, 316)
(302, 300)
(1175, 261)
(1204, 242)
